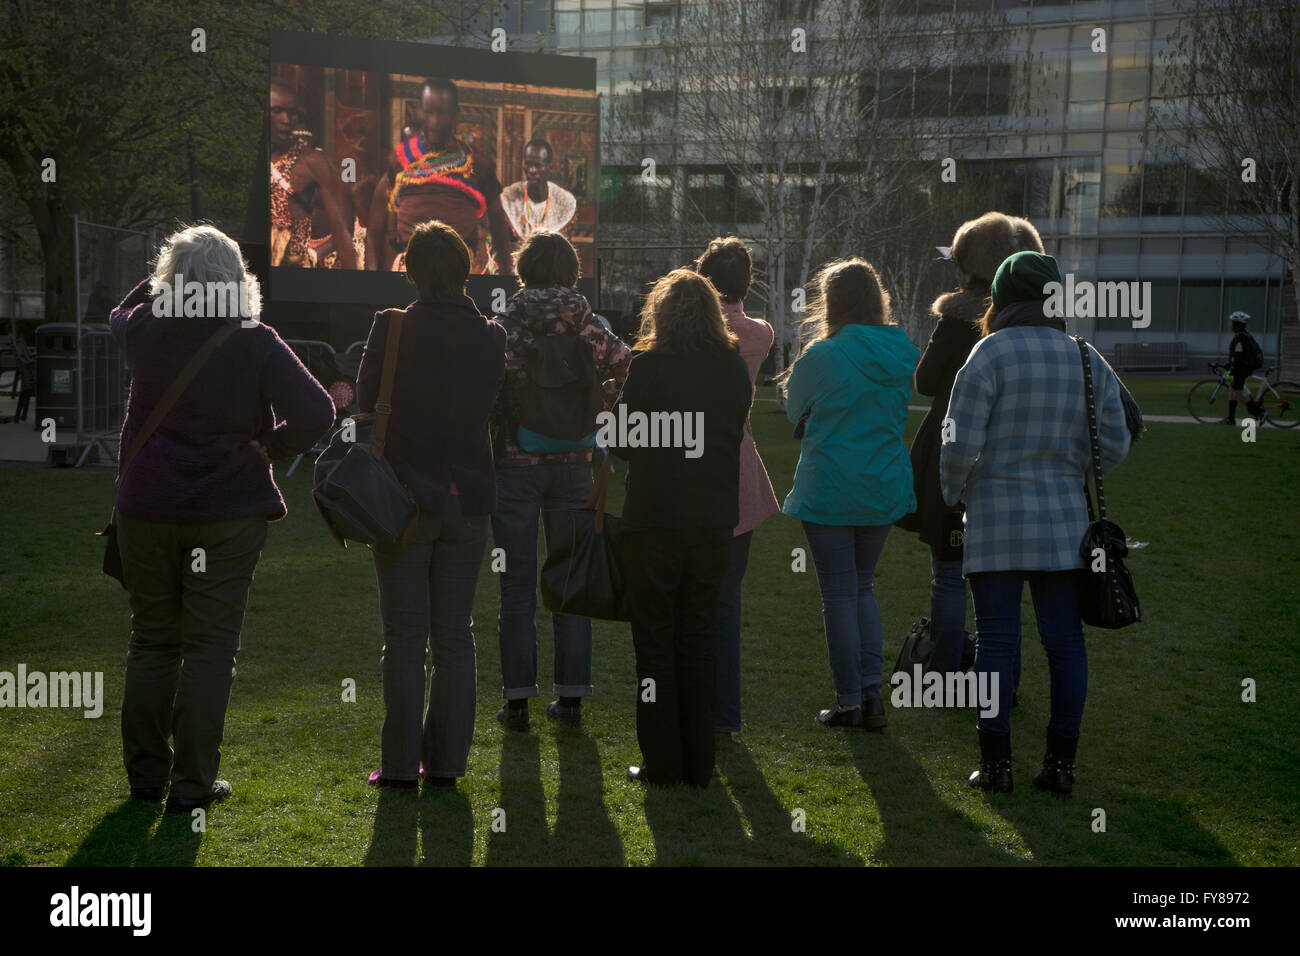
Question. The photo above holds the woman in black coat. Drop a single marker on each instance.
(683, 500)
(978, 248)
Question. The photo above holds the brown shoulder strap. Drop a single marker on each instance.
(383, 405)
(173, 393)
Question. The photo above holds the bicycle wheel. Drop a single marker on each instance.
(1206, 404)
(1284, 408)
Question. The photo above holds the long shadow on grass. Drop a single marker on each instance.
(1141, 830)
(702, 827)
(393, 841)
(525, 841)
(122, 838)
(446, 828)
(919, 828)
(175, 842)
(119, 838)
(695, 827)
(584, 833)
(774, 838)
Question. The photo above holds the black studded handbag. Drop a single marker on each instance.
(1109, 599)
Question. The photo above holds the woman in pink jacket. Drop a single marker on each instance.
(727, 264)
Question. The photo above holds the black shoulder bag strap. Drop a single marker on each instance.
(1093, 436)
(112, 559)
(173, 394)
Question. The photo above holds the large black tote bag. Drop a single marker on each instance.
(355, 487)
(581, 575)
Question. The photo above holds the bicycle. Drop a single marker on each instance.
(1279, 401)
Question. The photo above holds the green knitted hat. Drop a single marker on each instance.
(1021, 278)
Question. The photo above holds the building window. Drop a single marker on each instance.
(1200, 305)
(534, 17)
(1122, 182)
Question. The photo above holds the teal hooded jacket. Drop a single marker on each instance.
(853, 466)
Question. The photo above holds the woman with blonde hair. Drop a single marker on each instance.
(683, 493)
(979, 246)
(849, 391)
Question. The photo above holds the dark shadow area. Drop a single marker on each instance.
(120, 837)
(446, 828)
(393, 841)
(1141, 830)
(697, 827)
(175, 842)
(526, 838)
(919, 829)
(584, 833)
(774, 838)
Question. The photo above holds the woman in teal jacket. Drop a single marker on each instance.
(849, 391)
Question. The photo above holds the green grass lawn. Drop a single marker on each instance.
(1185, 772)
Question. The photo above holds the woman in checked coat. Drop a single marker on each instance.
(1018, 456)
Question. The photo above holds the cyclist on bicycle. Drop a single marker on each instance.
(1244, 356)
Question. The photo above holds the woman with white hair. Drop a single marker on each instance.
(194, 498)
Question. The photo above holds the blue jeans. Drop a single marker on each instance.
(726, 698)
(846, 563)
(947, 613)
(426, 599)
(1056, 605)
(524, 495)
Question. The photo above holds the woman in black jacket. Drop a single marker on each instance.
(688, 392)
(978, 248)
(450, 365)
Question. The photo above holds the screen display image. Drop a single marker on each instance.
(495, 145)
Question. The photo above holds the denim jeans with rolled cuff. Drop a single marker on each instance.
(525, 497)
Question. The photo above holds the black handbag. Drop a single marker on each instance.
(355, 487)
(112, 563)
(581, 575)
(918, 648)
(1109, 599)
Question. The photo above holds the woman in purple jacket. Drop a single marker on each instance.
(194, 504)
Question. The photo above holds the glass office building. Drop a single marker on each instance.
(1066, 136)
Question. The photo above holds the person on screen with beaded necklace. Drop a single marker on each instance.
(437, 175)
(535, 203)
(301, 176)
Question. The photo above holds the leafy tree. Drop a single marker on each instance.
(140, 125)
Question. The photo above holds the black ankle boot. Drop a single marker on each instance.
(1057, 775)
(995, 763)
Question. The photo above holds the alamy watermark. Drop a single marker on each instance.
(1100, 300)
(80, 690)
(922, 688)
(651, 430)
(76, 909)
(223, 300)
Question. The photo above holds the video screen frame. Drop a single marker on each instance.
(398, 58)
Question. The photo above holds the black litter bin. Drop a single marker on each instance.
(56, 373)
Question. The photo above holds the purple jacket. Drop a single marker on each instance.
(198, 466)
(451, 362)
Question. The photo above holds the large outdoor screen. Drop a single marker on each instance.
(369, 138)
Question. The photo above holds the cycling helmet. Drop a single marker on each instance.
(1239, 317)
